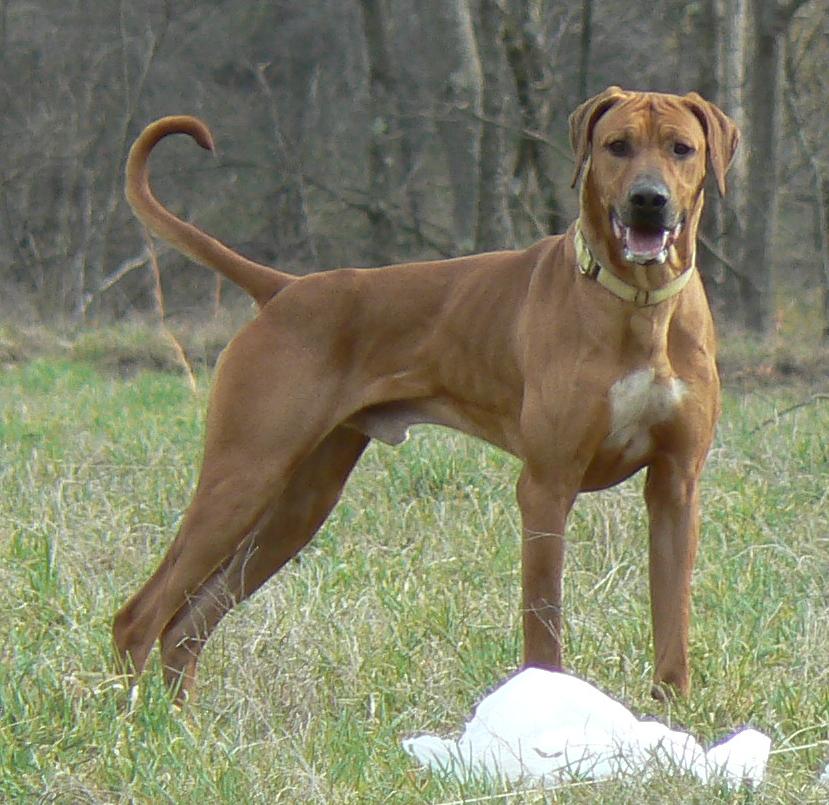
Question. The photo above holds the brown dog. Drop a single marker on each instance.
(589, 356)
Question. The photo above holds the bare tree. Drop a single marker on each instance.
(368, 131)
(62, 209)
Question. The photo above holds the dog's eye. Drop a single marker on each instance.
(619, 148)
(682, 149)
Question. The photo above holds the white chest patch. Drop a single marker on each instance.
(638, 402)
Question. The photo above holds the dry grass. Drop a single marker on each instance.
(397, 619)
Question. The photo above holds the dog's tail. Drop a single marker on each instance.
(260, 281)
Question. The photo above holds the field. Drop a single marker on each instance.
(401, 614)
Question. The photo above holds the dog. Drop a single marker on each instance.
(589, 355)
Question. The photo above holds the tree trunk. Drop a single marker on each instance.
(380, 159)
(449, 37)
(755, 279)
(820, 183)
(3, 27)
(494, 226)
(727, 229)
(525, 55)
(822, 203)
(585, 46)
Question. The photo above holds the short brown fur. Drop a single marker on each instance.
(518, 348)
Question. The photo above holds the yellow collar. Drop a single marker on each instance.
(591, 268)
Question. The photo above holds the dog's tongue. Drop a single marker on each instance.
(645, 242)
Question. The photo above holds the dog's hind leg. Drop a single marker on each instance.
(270, 409)
(286, 527)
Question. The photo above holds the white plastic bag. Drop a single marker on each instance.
(555, 727)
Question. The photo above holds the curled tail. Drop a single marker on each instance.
(260, 281)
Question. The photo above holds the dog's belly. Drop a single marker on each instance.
(390, 422)
(638, 402)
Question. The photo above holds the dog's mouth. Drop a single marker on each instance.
(645, 245)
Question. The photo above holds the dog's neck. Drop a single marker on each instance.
(590, 267)
(641, 296)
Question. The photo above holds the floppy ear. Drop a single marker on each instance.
(721, 134)
(584, 119)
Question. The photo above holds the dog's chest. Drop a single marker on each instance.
(639, 401)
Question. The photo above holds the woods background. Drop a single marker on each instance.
(361, 132)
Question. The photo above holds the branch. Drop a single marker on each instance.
(288, 154)
(815, 398)
(152, 258)
(520, 199)
(788, 10)
(805, 44)
(366, 207)
(449, 112)
(519, 130)
(717, 254)
(124, 267)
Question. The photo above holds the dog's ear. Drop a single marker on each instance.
(721, 135)
(584, 119)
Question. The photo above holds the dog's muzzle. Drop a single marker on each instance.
(647, 225)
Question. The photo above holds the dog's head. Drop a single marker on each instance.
(645, 156)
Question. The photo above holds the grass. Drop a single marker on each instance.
(395, 620)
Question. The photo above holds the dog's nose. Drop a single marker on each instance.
(649, 197)
(649, 204)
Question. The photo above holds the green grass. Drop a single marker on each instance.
(397, 619)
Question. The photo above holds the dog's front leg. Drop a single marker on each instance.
(545, 504)
(673, 507)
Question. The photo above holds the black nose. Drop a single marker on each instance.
(649, 204)
(648, 197)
